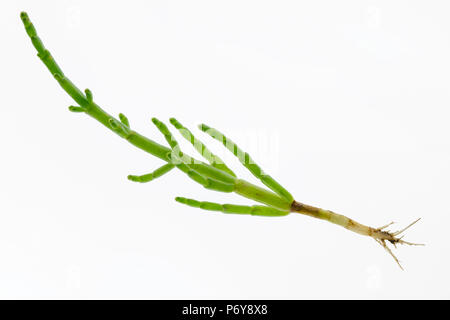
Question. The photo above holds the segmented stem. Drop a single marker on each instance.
(255, 210)
(207, 175)
(173, 143)
(248, 162)
(251, 191)
(153, 175)
(85, 101)
(213, 159)
(184, 162)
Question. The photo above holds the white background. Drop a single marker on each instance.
(346, 103)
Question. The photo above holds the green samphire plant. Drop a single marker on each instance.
(215, 175)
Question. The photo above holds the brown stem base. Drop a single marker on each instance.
(378, 234)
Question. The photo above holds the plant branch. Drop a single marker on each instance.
(214, 176)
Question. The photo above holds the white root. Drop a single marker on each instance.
(382, 236)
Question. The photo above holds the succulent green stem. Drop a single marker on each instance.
(85, 101)
(153, 175)
(233, 208)
(213, 159)
(248, 162)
